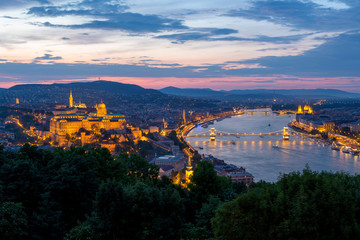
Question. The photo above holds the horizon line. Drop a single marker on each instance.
(154, 88)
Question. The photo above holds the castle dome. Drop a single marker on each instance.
(101, 110)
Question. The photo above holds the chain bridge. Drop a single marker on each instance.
(213, 133)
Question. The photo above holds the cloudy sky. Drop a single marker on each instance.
(218, 44)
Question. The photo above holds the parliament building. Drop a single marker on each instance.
(63, 124)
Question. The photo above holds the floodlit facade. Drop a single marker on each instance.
(63, 124)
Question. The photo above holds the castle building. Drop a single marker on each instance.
(80, 105)
(101, 110)
(73, 104)
(63, 124)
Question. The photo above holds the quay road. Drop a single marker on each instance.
(181, 133)
(184, 129)
(30, 133)
(224, 134)
(343, 140)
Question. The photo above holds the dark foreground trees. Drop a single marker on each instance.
(78, 194)
(310, 205)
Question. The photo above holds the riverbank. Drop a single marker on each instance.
(183, 130)
(339, 140)
(190, 126)
(237, 174)
(258, 155)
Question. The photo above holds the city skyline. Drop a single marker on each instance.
(251, 44)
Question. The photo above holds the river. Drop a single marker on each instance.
(258, 155)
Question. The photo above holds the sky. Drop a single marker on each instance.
(218, 44)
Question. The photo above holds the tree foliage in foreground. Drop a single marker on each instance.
(307, 205)
(76, 194)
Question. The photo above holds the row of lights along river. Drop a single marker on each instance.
(268, 156)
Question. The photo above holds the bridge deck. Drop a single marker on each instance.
(243, 135)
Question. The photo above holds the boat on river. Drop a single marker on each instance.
(335, 147)
(354, 152)
(346, 149)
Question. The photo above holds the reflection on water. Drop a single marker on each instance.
(260, 157)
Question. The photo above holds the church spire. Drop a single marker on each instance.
(189, 171)
(71, 100)
(164, 123)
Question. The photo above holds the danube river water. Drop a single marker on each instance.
(258, 155)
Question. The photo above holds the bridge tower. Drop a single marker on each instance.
(212, 134)
(286, 133)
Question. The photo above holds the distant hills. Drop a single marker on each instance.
(297, 92)
(192, 92)
(106, 86)
(117, 94)
(259, 93)
(88, 92)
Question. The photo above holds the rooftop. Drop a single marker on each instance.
(169, 158)
(166, 167)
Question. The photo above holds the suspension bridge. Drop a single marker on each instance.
(213, 133)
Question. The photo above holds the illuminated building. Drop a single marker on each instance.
(17, 101)
(101, 109)
(300, 111)
(307, 109)
(80, 105)
(66, 124)
(310, 111)
(72, 104)
(71, 109)
(165, 124)
(329, 126)
(189, 171)
(244, 177)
